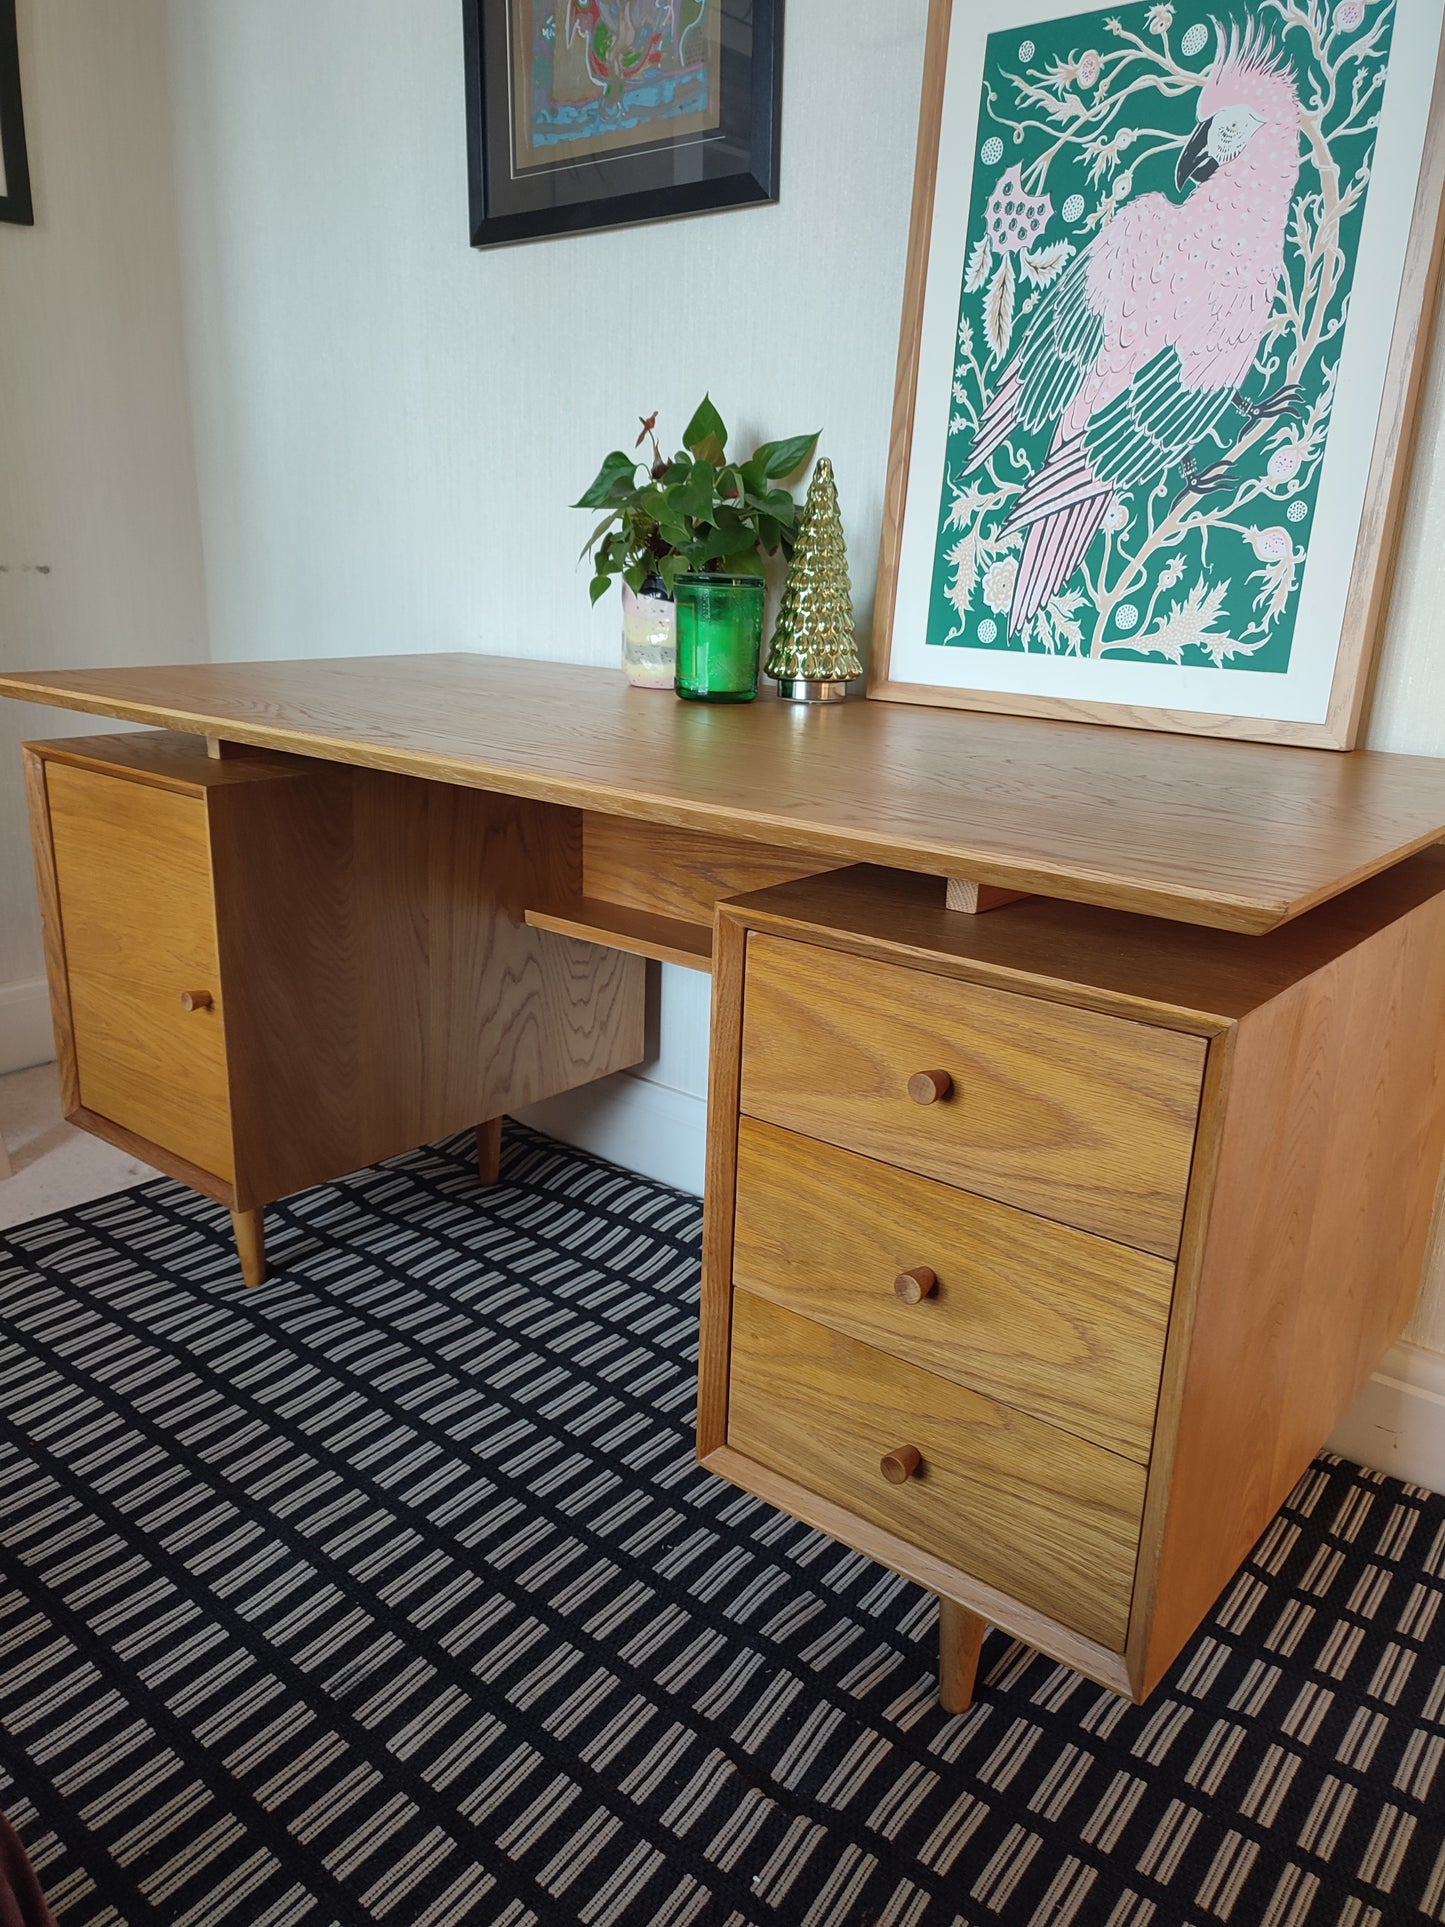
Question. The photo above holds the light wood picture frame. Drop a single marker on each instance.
(1104, 504)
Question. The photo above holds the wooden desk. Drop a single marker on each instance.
(1242, 836)
(1043, 1248)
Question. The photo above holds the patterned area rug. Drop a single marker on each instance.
(391, 1592)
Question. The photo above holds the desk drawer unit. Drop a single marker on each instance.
(266, 971)
(1042, 1280)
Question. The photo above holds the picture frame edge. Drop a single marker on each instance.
(910, 334)
(1397, 430)
(1204, 723)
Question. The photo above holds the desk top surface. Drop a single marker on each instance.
(1243, 836)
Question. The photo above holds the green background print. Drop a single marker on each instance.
(1092, 112)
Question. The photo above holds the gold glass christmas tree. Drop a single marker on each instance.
(813, 653)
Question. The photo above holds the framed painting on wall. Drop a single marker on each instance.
(1170, 266)
(15, 202)
(602, 113)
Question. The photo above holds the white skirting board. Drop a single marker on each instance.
(1397, 1424)
(643, 1126)
(25, 1034)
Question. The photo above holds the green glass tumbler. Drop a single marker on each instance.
(719, 637)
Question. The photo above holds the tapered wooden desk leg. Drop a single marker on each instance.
(250, 1230)
(489, 1150)
(960, 1640)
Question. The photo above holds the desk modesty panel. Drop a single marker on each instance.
(1243, 836)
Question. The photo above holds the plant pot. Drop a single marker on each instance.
(719, 637)
(649, 635)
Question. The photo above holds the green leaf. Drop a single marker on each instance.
(600, 585)
(706, 434)
(730, 484)
(770, 534)
(755, 476)
(695, 497)
(730, 543)
(615, 481)
(782, 459)
(597, 534)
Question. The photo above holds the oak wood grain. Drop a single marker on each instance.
(1315, 1163)
(249, 1230)
(1053, 1520)
(1086, 1119)
(1238, 835)
(677, 873)
(162, 759)
(640, 932)
(960, 1642)
(174, 1165)
(1327, 1167)
(353, 947)
(489, 1152)
(383, 988)
(926, 1568)
(971, 899)
(1060, 1324)
(720, 1183)
(52, 929)
(1137, 967)
(910, 338)
(1213, 1110)
(132, 866)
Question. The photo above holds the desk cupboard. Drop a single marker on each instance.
(1044, 1243)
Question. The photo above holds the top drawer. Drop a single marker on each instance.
(1082, 1118)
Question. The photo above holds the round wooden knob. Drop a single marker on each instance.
(930, 1087)
(196, 999)
(916, 1285)
(899, 1466)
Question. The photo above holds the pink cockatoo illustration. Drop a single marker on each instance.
(1146, 339)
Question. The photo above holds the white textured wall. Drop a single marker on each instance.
(100, 551)
(389, 424)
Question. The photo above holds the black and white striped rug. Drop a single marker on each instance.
(391, 1592)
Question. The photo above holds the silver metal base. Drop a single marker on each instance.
(813, 692)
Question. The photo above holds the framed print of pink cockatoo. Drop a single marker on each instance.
(1170, 265)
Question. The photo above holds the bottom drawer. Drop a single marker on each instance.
(1043, 1516)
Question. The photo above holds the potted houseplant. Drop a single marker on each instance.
(699, 520)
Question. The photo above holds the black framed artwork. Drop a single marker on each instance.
(603, 113)
(14, 168)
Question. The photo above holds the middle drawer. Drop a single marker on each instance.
(1055, 1322)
